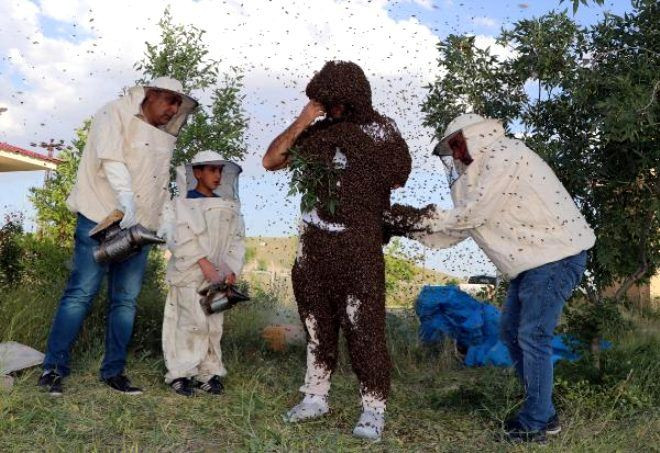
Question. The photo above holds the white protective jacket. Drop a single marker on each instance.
(510, 202)
(118, 135)
(210, 228)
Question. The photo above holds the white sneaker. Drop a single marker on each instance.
(312, 406)
(370, 426)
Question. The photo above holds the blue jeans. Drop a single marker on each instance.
(531, 312)
(124, 284)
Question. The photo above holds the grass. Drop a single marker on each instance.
(436, 404)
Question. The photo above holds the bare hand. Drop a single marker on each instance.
(277, 155)
(211, 274)
(310, 112)
(230, 279)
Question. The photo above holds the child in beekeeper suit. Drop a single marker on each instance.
(206, 237)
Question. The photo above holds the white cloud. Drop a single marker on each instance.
(9, 123)
(66, 11)
(485, 21)
(428, 4)
(485, 42)
(279, 44)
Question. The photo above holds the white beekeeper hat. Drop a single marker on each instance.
(228, 188)
(455, 126)
(188, 104)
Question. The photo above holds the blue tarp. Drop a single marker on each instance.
(448, 311)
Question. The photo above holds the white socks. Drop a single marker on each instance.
(312, 406)
(370, 425)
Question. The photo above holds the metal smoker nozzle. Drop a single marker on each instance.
(119, 244)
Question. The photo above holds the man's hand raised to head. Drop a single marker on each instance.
(310, 112)
(277, 156)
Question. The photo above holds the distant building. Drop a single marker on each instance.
(13, 158)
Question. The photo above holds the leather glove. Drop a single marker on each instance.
(127, 203)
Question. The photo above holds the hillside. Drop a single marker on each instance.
(276, 254)
(269, 261)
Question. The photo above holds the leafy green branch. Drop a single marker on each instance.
(314, 180)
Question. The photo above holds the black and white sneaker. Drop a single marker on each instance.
(52, 381)
(553, 426)
(183, 386)
(213, 386)
(122, 384)
(516, 433)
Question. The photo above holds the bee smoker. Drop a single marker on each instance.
(117, 244)
(219, 297)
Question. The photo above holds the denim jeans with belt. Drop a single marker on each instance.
(124, 284)
(531, 312)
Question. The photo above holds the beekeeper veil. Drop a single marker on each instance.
(458, 145)
(228, 188)
(137, 94)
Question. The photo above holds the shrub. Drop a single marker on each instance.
(10, 250)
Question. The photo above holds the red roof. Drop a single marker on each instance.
(33, 154)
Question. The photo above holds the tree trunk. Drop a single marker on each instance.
(643, 267)
(595, 351)
(595, 297)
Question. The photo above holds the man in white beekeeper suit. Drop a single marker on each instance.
(207, 245)
(125, 166)
(511, 203)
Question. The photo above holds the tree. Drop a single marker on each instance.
(54, 218)
(398, 266)
(400, 270)
(10, 250)
(182, 54)
(586, 101)
(576, 3)
(219, 126)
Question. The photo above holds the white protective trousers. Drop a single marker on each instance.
(191, 339)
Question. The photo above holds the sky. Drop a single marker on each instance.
(61, 60)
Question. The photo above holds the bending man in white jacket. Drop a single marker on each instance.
(510, 202)
(207, 245)
(126, 166)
